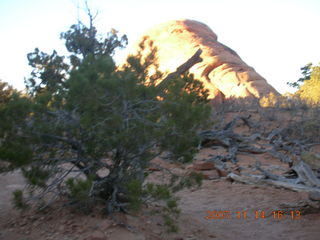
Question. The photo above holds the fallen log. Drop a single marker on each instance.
(304, 207)
(270, 175)
(306, 174)
(259, 180)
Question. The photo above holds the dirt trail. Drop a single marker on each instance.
(216, 195)
(234, 197)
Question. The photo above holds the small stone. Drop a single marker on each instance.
(210, 174)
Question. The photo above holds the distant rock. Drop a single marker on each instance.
(222, 70)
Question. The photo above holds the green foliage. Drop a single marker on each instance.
(79, 193)
(86, 116)
(49, 71)
(161, 192)
(306, 73)
(83, 40)
(310, 89)
(36, 176)
(308, 85)
(14, 108)
(193, 179)
(18, 200)
(6, 92)
(134, 188)
(170, 209)
(170, 223)
(184, 106)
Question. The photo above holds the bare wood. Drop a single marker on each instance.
(305, 207)
(269, 174)
(260, 180)
(253, 179)
(306, 174)
(182, 69)
(188, 64)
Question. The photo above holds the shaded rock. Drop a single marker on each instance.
(209, 169)
(222, 70)
(201, 166)
(158, 164)
(210, 174)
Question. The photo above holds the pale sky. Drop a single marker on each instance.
(276, 37)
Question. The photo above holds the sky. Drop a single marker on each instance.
(276, 37)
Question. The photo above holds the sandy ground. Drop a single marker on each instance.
(214, 211)
(198, 219)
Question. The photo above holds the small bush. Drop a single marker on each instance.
(36, 176)
(170, 224)
(18, 200)
(79, 193)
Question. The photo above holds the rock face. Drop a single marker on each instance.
(222, 70)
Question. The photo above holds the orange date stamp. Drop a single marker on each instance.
(258, 214)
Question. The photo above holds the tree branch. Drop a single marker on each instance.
(181, 69)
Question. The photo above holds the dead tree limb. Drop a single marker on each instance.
(270, 175)
(181, 69)
(306, 174)
(260, 180)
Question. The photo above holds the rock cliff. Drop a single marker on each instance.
(222, 70)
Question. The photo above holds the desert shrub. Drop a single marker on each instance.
(308, 85)
(86, 115)
(18, 200)
(79, 192)
(310, 89)
(289, 102)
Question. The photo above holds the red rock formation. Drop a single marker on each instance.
(222, 70)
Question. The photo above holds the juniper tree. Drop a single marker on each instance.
(89, 129)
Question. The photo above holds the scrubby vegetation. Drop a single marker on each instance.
(308, 85)
(87, 131)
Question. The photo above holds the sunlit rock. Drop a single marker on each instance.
(222, 71)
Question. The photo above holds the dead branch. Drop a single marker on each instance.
(181, 69)
(305, 207)
(306, 174)
(259, 180)
(236, 143)
(270, 175)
